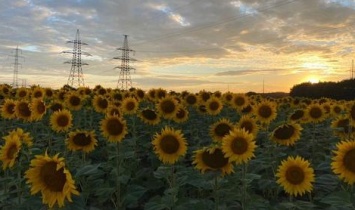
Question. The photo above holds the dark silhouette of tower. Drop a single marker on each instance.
(76, 70)
(16, 65)
(124, 80)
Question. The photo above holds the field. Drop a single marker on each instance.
(104, 148)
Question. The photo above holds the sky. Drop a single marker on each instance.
(212, 45)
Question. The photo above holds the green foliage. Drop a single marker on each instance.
(129, 175)
(343, 90)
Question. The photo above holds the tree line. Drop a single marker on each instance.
(343, 90)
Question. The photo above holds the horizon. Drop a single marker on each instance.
(236, 46)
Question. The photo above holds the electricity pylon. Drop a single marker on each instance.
(16, 64)
(124, 81)
(76, 70)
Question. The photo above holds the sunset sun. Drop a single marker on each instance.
(313, 80)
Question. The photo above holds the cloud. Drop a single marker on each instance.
(248, 72)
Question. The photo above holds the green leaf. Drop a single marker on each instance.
(124, 178)
(105, 191)
(338, 199)
(181, 180)
(162, 172)
(286, 205)
(134, 193)
(88, 169)
(155, 204)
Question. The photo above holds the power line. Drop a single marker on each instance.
(76, 70)
(16, 65)
(124, 81)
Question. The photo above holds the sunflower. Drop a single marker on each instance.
(73, 100)
(152, 94)
(49, 176)
(37, 92)
(182, 115)
(212, 158)
(48, 93)
(336, 109)
(227, 97)
(220, 128)
(10, 151)
(169, 145)
(248, 123)
(140, 94)
(22, 93)
(8, 109)
(213, 105)
(100, 103)
(217, 94)
(126, 94)
(327, 108)
(295, 175)
(342, 127)
(190, 99)
(22, 110)
(101, 91)
(343, 162)
(167, 107)
(56, 105)
(287, 134)
(113, 110)
(116, 95)
(315, 113)
(84, 91)
(113, 128)
(203, 96)
(265, 111)
(60, 95)
(247, 110)
(5, 89)
(38, 108)
(160, 93)
(61, 120)
(201, 109)
(129, 105)
(24, 137)
(297, 115)
(81, 140)
(238, 146)
(149, 116)
(239, 101)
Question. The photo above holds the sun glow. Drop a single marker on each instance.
(313, 80)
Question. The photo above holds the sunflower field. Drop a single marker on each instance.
(106, 148)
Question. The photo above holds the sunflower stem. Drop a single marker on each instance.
(134, 135)
(313, 141)
(19, 186)
(352, 194)
(216, 193)
(118, 183)
(244, 187)
(172, 186)
(6, 174)
(83, 157)
(310, 197)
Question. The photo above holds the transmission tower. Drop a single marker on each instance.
(124, 80)
(76, 70)
(16, 65)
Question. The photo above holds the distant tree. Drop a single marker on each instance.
(343, 90)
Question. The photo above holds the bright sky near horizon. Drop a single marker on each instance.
(236, 45)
